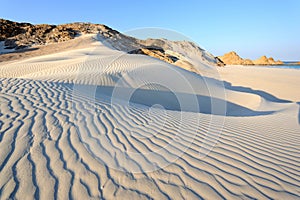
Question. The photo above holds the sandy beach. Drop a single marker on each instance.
(57, 143)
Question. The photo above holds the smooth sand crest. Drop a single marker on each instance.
(54, 143)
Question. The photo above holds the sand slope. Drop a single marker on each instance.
(59, 145)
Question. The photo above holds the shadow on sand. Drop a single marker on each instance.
(21, 50)
(263, 94)
(180, 101)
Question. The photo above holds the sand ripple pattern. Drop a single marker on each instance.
(42, 156)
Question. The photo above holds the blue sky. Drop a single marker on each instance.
(251, 28)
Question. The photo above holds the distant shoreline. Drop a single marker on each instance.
(291, 63)
(283, 66)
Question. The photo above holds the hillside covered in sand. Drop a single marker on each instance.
(24, 40)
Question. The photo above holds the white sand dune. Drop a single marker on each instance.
(95, 123)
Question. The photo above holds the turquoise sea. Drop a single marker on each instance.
(287, 65)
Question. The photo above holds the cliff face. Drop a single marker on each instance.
(232, 58)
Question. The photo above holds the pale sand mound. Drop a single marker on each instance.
(54, 142)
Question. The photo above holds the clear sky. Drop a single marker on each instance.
(251, 28)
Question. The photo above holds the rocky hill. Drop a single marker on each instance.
(19, 36)
(22, 35)
(232, 58)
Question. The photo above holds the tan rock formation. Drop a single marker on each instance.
(232, 58)
(267, 61)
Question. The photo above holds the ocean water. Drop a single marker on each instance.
(286, 66)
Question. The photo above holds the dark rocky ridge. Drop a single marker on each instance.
(21, 35)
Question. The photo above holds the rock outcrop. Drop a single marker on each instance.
(181, 53)
(267, 61)
(156, 53)
(232, 58)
